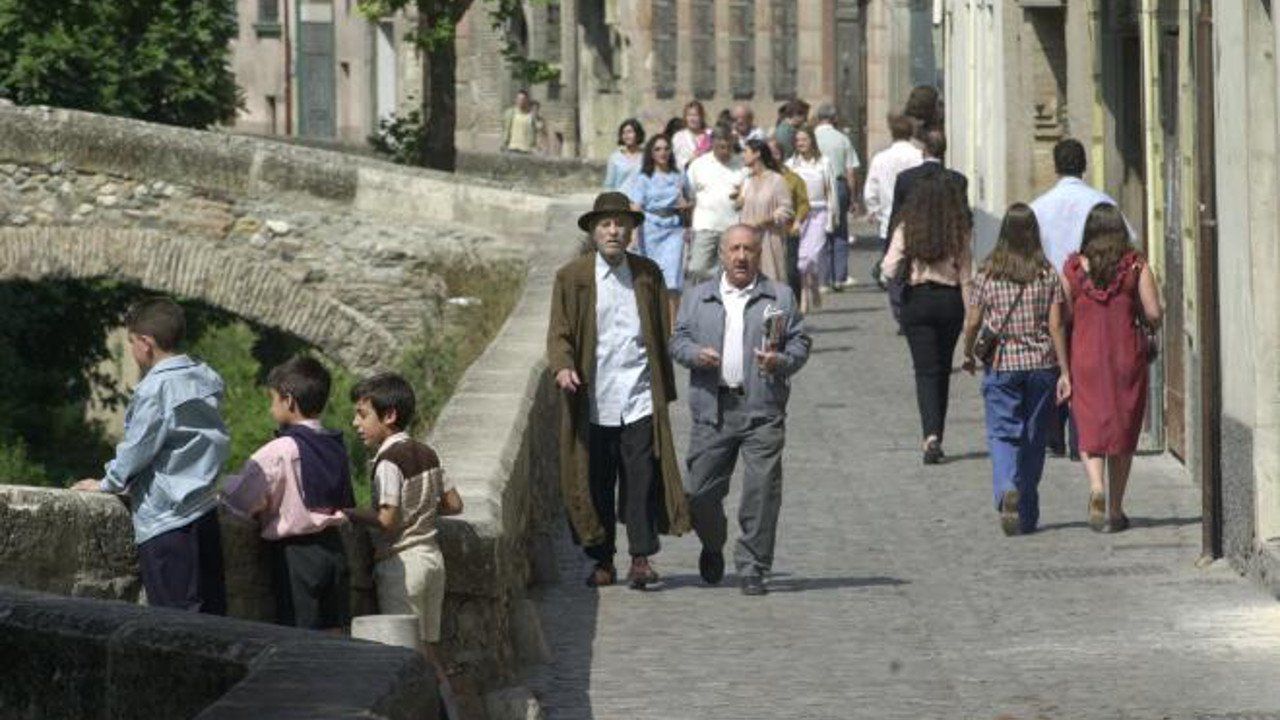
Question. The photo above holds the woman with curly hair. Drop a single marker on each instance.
(931, 253)
(1114, 300)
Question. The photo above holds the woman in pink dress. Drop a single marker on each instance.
(765, 203)
(1113, 294)
(694, 139)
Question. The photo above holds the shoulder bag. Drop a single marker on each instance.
(984, 348)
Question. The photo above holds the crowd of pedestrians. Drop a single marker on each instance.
(795, 184)
(1059, 319)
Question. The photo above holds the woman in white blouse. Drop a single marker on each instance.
(820, 182)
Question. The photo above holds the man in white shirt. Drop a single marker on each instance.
(607, 349)
(882, 176)
(714, 179)
(1063, 210)
(742, 338)
(838, 150)
(744, 124)
(1062, 213)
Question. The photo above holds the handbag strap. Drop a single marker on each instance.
(1004, 322)
(1017, 300)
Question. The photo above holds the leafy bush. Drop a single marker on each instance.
(160, 60)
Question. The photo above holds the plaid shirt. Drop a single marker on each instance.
(1027, 344)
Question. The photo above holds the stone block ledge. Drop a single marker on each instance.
(77, 658)
(242, 165)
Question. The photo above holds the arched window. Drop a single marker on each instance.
(742, 48)
(785, 57)
(703, 32)
(664, 48)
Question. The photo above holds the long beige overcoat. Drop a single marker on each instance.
(571, 343)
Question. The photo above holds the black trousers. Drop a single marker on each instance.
(311, 580)
(932, 318)
(182, 568)
(623, 477)
(793, 264)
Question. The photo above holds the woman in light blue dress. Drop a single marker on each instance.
(659, 192)
(624, 163)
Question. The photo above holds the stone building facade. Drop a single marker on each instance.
(318, 69)
(647, 58)
(1177, 103)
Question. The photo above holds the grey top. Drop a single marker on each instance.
(701, 324)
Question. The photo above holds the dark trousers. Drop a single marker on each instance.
(182, 568)
(713, 454)
(834, 260)
(932, 317)
(624, 455)
(1063, 438)
(793, 264)
(311, 580)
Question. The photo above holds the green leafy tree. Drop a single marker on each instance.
(427, 137)
(160, 60)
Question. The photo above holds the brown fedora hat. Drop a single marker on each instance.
(610, 203)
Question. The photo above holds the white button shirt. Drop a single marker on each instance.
(1062, 213)
(622, 393)
(886, 165)
(735, 310)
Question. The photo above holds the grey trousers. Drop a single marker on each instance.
(713, 454)
(704, 255)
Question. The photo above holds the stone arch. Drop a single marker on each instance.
(196, 269)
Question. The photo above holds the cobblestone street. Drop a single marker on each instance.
(896, 596)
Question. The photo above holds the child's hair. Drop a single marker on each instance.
(305, 380)
(1018, 256)
(386, 392)
(159, 318)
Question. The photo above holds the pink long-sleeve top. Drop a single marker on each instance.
(268, 490)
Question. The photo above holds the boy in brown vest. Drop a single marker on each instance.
(410, 492)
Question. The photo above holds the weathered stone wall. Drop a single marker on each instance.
(210, 201)
(249, 167)
(73, 659)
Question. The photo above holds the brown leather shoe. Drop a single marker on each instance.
(604, 575)
(641, 573)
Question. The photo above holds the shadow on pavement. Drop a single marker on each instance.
(779, 582)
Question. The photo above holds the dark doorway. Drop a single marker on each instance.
(851, 70)
(316, 76)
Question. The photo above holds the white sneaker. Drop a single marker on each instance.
(851, 282)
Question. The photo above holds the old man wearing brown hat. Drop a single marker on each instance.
(607, 349)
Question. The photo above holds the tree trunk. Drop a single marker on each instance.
(441, 108)
(440, 94)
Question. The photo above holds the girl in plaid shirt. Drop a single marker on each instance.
(1018, 296)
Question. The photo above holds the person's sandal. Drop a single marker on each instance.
(603, 576)
(1097, 512)
(641, 573)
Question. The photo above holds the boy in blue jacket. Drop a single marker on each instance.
(174, 446)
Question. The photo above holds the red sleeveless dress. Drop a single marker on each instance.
(1108, 358)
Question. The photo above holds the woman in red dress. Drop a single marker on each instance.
(1111, 289)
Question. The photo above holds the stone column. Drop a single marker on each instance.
(569, 76)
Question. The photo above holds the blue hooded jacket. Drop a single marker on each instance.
(174, 447)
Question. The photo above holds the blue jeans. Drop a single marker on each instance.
(1019, 404)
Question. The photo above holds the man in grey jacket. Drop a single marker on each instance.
(742, 338)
